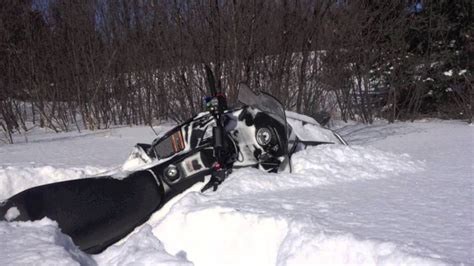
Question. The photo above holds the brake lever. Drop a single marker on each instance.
(217, 177)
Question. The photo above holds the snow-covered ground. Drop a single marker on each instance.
(400, 194)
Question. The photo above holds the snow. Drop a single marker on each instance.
(142, 248)
(448, 73)
(12, 213)
(400, 194)
(102, 148)
(296, 116)
(309, 132)
(437, 203)
(308, 129)
(38, 243)
(223, 230)
(321, 165)
(14, 179)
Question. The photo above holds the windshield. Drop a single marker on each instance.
(264, 102)
(272, 107)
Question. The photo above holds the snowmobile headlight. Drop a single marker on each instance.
(264, 136)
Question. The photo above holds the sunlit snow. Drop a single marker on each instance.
(400, 194)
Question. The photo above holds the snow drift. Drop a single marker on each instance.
(408, 201)
(14, 179)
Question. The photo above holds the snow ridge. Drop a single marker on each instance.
(142, 248)
(236, 237)
(341, 205)
(248, 221)
(323, 165)
(14, 179)
(38, 243)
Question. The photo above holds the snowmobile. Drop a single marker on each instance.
(99, 211)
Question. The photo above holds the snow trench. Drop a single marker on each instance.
(237, 225)
(224, 236)
(38, 243)
(247, 222)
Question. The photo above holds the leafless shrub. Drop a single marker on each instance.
(92, 64)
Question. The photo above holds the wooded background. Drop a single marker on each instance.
(91, 64)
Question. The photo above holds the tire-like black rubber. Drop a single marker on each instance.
(94, 212)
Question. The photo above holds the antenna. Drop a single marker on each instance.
(211, 80)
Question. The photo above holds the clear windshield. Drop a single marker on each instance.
(272, 107)
(264, 102)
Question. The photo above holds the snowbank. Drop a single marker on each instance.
(306, 248)
(255, 218)
(222, 236)
(341, 205)
(14, 179)
(142, 248)
(320, 165)
(42, 243)
(225, 236)
(307, 129)
(38, 243)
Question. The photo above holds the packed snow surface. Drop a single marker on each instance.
(400, 194)
(12, 213)
(38, 243)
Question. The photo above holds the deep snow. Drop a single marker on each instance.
(400, 194)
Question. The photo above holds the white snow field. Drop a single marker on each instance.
(400, 194)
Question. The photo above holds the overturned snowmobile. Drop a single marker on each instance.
(98, 211)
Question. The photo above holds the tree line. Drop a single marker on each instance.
(90, 64)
